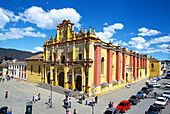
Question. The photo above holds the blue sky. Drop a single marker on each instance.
(140, 25)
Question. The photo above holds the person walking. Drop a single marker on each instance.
(75, 111)
(112, 104)
(93, 100)
(70, 102)
(109, 104)
(6, 95)
(96, 98)
(33, 97)
(49, 99)
(39, 96)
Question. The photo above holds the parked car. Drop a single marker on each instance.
(166, 94)
(167, 85)
(168, 75)
(157, 78)
(145, 90)
(141, 95)
(123, 106)
(161, 102)
(154, 110)
(134, 99)
(156, 85)
(162, 77)
(112, 111)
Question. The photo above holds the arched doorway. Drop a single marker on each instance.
(48, 78)
(126, 77)
(61, 79)
(79, 83)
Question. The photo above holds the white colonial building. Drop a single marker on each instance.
(17, 69)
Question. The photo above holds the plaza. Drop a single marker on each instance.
(21, 92)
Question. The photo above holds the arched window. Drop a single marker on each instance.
(31, 68)
(50, 58)
(62, 58)
(102, 65)
(152, 65)
(79, 56)
(39, 69)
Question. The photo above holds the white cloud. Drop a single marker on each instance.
(105, 23)
(50, 19)
(120, 43)
(109, 31)
(160, 40)
(137, 42)
(163, 46)
(147, 32)
(39, 49)
(6, 16)
(30, 51)
(16, 33)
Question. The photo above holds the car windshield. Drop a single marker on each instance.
(108, 112)
(162, 100)
(139, 92)
(144, 88)
(133, 97)
(153, 109)
(122, 104)
(167, 93)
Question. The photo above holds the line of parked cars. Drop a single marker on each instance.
(160, 103)
(125, 105)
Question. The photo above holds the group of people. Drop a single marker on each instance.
(36, 98)
(67, 102)
(2, 79)
(81, 97)
(110, 105)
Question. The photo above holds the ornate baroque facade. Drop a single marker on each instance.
(83, 61)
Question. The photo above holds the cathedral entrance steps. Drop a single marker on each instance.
(59, 89)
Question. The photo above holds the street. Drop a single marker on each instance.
(22, 91)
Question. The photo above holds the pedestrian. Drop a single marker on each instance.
(93, 99)
(39, 96)
(75, 111)
(83, 96)
(3, 79)
(67, 112)
(109, 104)
(96, 98)
(33, 97)
(155, 94)
(6, 95)
(70, 102)
(112, 104)
(49, 99)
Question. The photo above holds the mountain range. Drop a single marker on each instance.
(16, 54)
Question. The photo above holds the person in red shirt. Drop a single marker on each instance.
(112, 104)
(6, 95)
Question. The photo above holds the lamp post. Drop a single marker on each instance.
(92, 108)
(51, 93)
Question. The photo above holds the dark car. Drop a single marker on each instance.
(168, 75)
(134, 99)
(154, 110)
(112, 111)
(145, 90)
(141, 95)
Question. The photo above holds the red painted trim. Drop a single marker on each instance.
(134, 66)
(123, 65)
(109, 65)
(118, 65)
(97, 65)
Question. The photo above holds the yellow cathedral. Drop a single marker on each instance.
(82, 61)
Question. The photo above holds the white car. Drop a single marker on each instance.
(156, 85)
(166, 94)
(161, 102)
(167, 85)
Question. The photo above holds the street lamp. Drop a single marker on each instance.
(51, 93)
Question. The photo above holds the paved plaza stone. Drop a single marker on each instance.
(21, 92)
